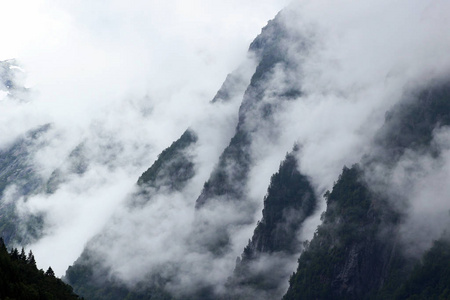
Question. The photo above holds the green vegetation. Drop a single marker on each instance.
(345, 258)
(93, 281)
(290, 200)
(174, 167)
(354, 253)
(20, 279)
(430, 279)
(229, 177)
(411, 123)
(88, 276)
(16, 169)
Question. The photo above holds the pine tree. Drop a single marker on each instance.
(50, 272)
(22, 255)
(14, 254)
(30, 259)
(2, 245)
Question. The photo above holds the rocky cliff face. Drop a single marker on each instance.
(257, 109)
(348, 257)
(176, 232)
(173, 168)
(290, 200)
(355, 253)
(18, 179)
(228, 183)
(12, 80)
(169, 174)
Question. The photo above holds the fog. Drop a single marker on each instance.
(125, 82)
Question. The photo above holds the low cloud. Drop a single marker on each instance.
(122, 83)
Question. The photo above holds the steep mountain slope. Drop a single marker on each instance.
(356, 253)
(257, 108)
(346, 259)
(321, 78)
(170, 173)
(12, 80)
(227, 183)
(264, 98)
(173, 168)
(430, 278)
(233, 167)
(19, 179)
(290, 200)
(92, 280)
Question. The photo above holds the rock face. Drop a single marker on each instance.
(171, 238)
(354, 253)
(412, 122)
(19, 179)
(170, 173)
(430, 279)
(12, 80)
(17, 173)
(263, 100)
(91, 279)
(228, 180)
(290, 200)
(346, 259)
(173, 168)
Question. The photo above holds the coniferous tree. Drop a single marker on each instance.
(20, 279)
(2, 245)
(30, 259)
(50, 272)
(22, 255)
(14, 254)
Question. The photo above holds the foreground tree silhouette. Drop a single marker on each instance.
(20, 279)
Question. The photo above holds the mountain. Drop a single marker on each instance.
(430, 278)
(12, 79)
(20, 179)
(290, 200)
(18, 175)
(317, 171)
(255, 110)
(169, 174)
(175, 170)
(355, 252)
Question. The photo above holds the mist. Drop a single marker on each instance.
(122, 83)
